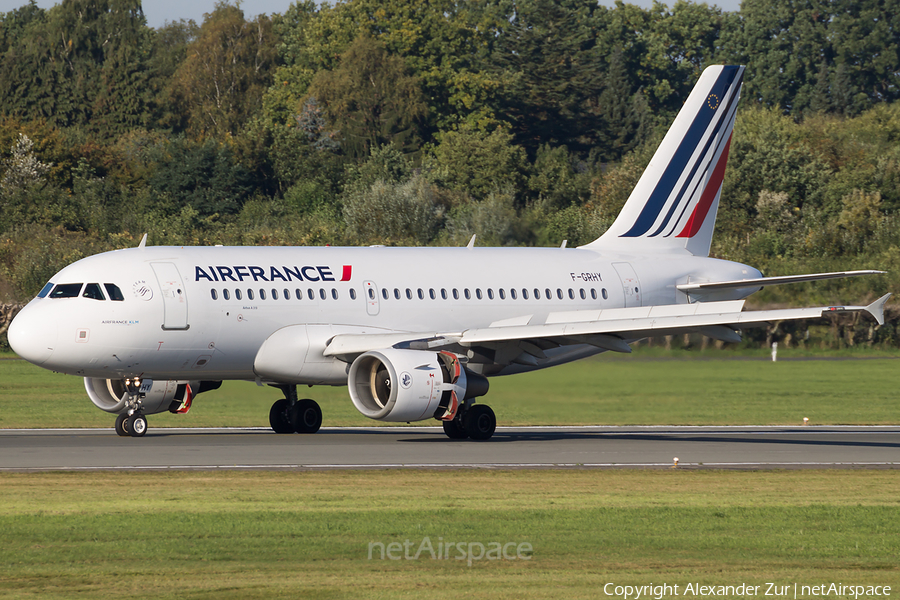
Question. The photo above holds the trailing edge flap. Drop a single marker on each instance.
(699, 288)
(572, 327)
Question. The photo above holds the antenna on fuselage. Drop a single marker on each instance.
(563, 245)
(143, 243)
(471, 243)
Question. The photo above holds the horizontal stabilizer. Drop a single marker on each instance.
(764, 281)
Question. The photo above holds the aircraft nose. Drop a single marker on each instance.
(32, 335)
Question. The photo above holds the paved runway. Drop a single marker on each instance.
(427, 447)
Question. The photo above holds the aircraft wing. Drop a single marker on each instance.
(609, 329)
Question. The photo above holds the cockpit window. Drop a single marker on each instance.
(66, 290)
(93, 291)
(43, 293)
(114, 292)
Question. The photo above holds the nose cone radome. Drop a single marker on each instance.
(33, 335)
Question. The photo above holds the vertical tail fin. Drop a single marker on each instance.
(673, 206)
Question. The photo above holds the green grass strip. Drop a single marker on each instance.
(307, 534)
(611, 389)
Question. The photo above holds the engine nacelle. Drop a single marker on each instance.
(411, 385)
(112, 396)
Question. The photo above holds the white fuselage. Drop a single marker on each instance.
(204, 312)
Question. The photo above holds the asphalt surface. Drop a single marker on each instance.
(427, 447)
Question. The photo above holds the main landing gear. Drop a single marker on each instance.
(290, 415)
(477, 422)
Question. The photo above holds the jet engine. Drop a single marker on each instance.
(112, 395)
(411, 385)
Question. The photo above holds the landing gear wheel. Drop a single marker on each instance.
(480, 422)
(278, 417)
(122, 425)
(454, 429)
(137, 425)
(305, 416)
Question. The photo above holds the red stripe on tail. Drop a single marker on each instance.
(709, 194)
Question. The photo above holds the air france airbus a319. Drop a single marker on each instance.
(413, 332)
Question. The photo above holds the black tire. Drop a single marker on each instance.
(480, 422)
(454, 429)
(306, 416)
(137, 425)
(278, 418)
(122, 425)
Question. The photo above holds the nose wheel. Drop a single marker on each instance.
(134, 425)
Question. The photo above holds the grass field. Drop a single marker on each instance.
(307, 534)
(644, 388)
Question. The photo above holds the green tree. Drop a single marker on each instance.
(221, 81)
(83, 63)
(476, 162)
(372, 99)
(552, 73)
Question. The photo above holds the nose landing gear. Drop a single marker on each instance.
(132, 422)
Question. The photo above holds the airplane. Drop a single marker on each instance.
(414, 333)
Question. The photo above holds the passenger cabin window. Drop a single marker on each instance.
(226, 294)
(396, 293)
(444, 293)
(455, 294)
(299, 295)
(334, 293)
(524, 294)
(502, 293)
(537, 294)
(322, 293)
(384, 294)
(605, 295)
(249, 294)
(478, 293)
(274, 294)
(287, 294)
(66, 290)
(262, 294)
(353, 294)
(593, 293)
(93, 291)
(512, 293)
(214, 294)
(238, 295)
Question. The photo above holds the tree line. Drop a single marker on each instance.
(525, 122)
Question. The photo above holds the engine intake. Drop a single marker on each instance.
(111, 395)
(411, 385)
